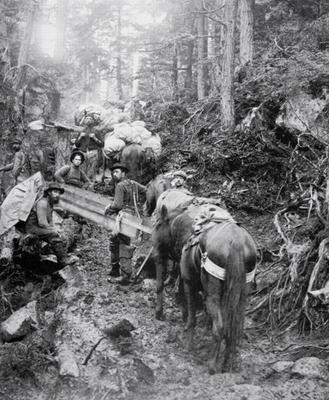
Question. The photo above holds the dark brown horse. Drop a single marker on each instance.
(222, 249)
(155, 187)
(141, 162)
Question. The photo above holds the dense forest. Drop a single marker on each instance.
(238, 93)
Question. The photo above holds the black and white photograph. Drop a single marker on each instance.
(164, 199)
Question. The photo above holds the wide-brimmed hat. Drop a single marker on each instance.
(54, 186)
(180, 173)
(77, 153)
(123, 167)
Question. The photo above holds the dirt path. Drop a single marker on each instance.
(153, 363)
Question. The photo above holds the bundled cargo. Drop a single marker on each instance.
(102, 120)
(112, 145)
(154, 143)
(87, 113)
(134, 133)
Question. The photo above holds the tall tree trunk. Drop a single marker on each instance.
(189, 66)
(246, 31)
(137, 62)
(227, 99)
(61, 22)
(25, 45)
(202, 51)
(174, 74)
(215, 48)
(214, 57)
(119, 56)
(86, 88)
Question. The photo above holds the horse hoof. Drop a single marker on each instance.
(159, 315)
(211, 370)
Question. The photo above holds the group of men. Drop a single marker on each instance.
(126, 198)
(86, 147)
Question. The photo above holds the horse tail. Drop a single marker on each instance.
(234, 298)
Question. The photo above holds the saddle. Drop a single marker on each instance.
(208, 216)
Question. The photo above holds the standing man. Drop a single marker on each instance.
(126, 198)
(89, 143)
(72, 174)
(18, 166)
(40, 223)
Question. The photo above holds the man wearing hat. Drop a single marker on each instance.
(40, 223)
(179, 180)
(126, 198)
(72, 174)
(18, 166)
(90, 144)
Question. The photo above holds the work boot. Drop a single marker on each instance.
(115, 271)
(115, 257)
(122, 280)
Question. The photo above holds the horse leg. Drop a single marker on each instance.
(104, 168)
(161, 266)
(191, 312)
(213, 307)
(180, 298)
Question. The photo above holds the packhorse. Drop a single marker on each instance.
(216, 255)
(159, 191)
(141, 162)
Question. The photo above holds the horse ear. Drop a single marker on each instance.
(164, 212)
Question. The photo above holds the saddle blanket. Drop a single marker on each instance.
(208, 215)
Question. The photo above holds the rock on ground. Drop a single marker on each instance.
(309, 367)
(20, 323)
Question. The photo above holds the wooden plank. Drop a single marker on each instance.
(91, 206)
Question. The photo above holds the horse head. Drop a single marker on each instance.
(154, 189)
(161, 229)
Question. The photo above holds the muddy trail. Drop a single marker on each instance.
(154, 362)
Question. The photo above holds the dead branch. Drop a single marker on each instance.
(92, 350)
(323, 257)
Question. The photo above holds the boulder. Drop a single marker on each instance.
(309, 367)
(282, 366)
(66, 360)
(306, 114)
(20, 323)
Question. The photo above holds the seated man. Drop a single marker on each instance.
(72, 174)
(40, 223)
(126, 199)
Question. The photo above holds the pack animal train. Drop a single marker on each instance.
(215, 255)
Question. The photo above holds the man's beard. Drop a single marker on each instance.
(54, 200)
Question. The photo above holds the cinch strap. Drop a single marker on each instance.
(219, 272)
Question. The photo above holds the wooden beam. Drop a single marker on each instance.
(91, 206)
